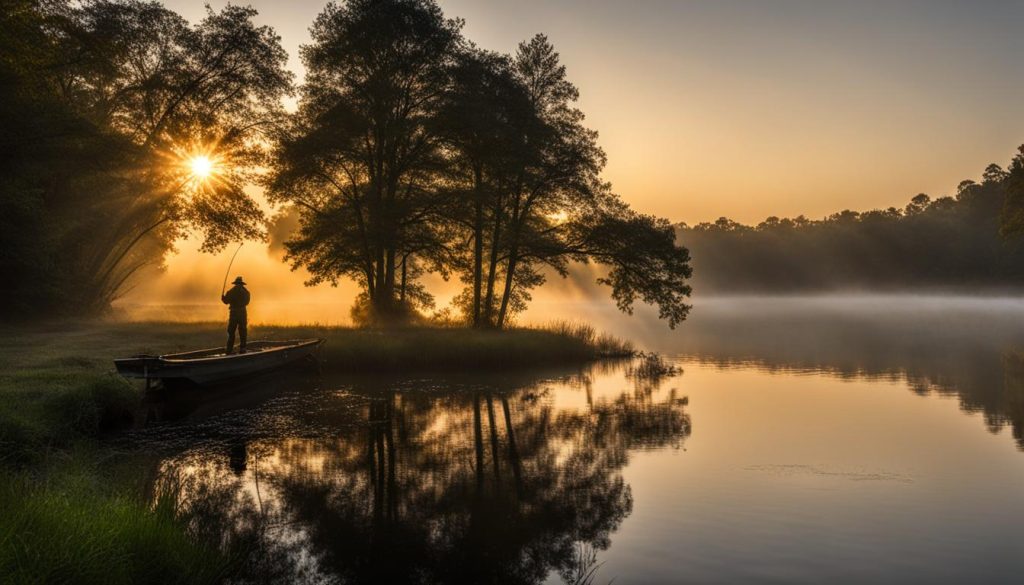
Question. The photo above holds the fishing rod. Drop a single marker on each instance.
(228, 271)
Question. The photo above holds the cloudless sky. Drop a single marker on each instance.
(750, 108)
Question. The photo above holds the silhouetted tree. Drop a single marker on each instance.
(643, 260)
(362, 156)
(487, 118)
(562, 177)
(1012, 218)
(413, 151)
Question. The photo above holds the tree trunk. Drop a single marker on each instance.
(379, 292)
(478, 248)
(405, 271)
(492, 272)
(383, 301)
(518, 214)
(389, 276)
(507, 293)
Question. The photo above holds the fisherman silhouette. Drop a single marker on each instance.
(236, 298)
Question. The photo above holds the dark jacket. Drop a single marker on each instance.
(237, 297)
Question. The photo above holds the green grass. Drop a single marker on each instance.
(65, 518)
(68, 530)
(354, 350)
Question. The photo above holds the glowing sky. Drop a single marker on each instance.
(766, 107)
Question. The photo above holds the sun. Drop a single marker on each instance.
(201, 167)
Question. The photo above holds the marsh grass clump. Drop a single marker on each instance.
(20, 438)
(445, 348)
(603, 344)
(583, 571)
(652, 366)
(67, 529)
(103, 403)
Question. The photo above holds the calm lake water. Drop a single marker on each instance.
(803, 441)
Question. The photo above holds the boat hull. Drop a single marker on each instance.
(212, 365)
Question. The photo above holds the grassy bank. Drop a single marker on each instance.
(65, 518)
(60, 526)
(57, 382)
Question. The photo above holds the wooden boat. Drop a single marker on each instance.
(207, 366)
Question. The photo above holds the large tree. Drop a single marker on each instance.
(533, 173)
(362, 157)
(413, 150)
(488, 120)
(561, 179)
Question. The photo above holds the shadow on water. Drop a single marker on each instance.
(465, 479)
(185, 401)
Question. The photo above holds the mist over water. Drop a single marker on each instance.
(964, 347)
(189, 287)
(188, 290)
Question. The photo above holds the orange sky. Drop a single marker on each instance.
(756, 108)
(728, 108)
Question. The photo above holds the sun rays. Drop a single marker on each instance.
(201, 167)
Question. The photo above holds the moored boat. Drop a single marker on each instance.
(208, 366)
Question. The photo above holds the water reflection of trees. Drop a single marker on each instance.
(965, 352)
(482, 483)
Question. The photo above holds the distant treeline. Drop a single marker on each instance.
(965, 241)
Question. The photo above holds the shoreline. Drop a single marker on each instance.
(57, 380)
(60, 399)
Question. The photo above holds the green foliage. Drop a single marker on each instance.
(41, 412)
(56, 388)
(66, 529)
(104, 403)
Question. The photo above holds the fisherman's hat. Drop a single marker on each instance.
(238, 280)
